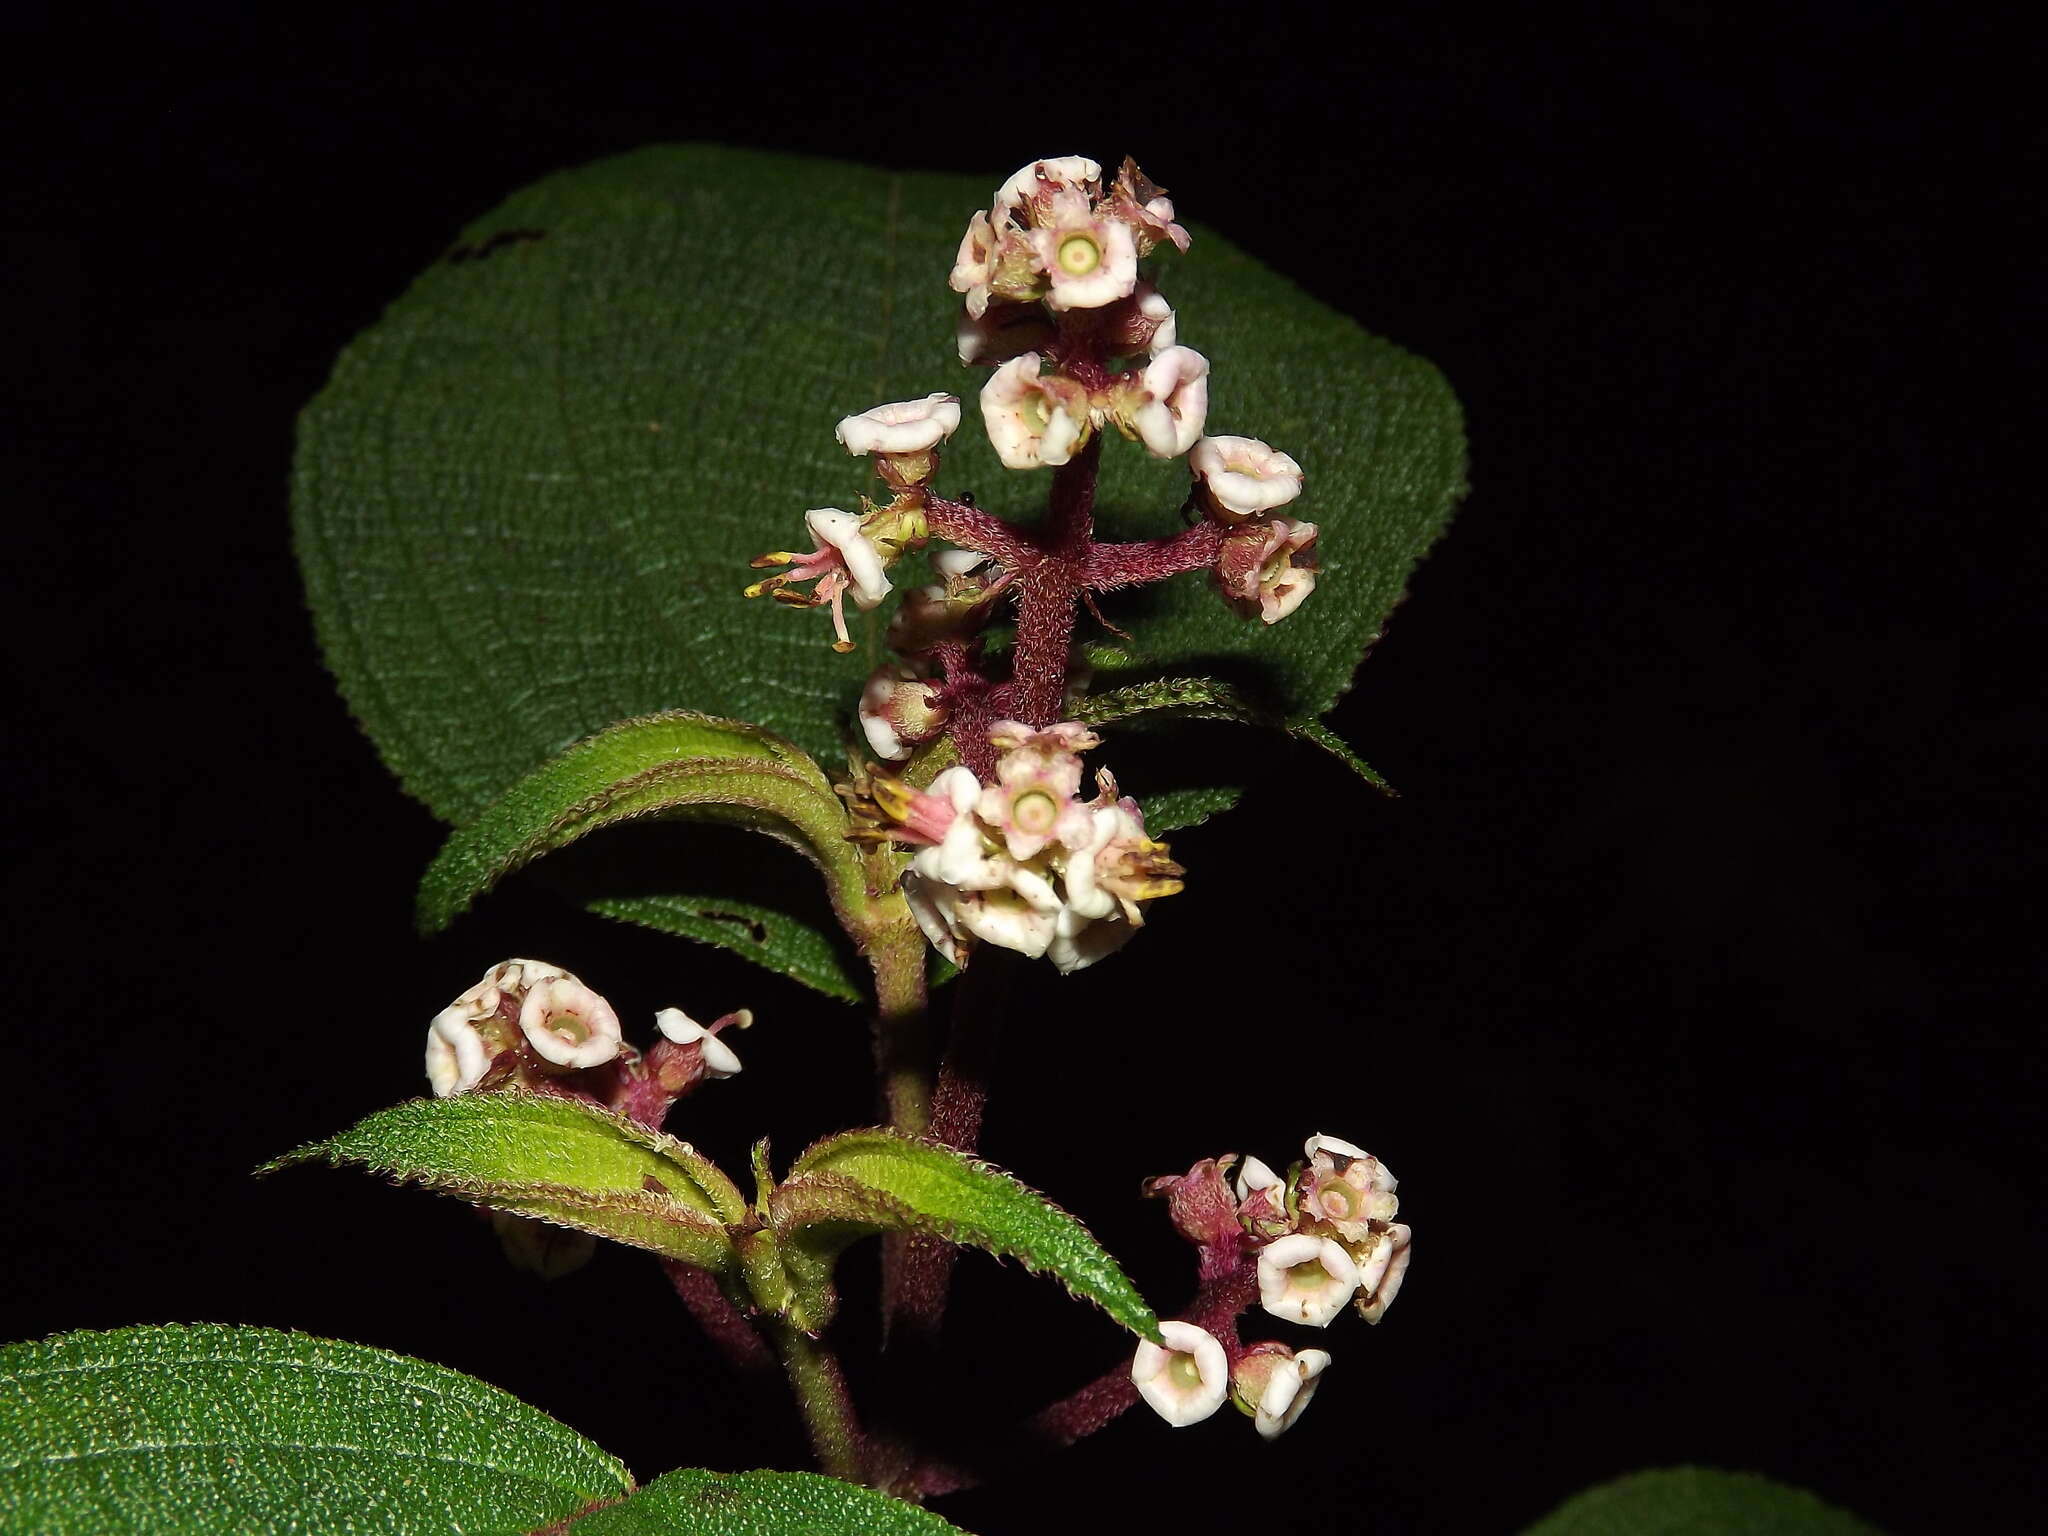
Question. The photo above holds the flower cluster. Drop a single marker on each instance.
(1022, 861)
(1316, 1240)
(532, 1025)
(1057, 304)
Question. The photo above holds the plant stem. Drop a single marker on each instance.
(921, 1273)
(903, 1034)
(822, 1399)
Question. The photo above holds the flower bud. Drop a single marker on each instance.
(1185, 1381)
(898, 709)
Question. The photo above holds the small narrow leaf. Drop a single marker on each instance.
(1206, 698)
(699, 1503)
(778, 941)
(877, 1181)
(1697, 1501)
(675, 764)
(1174, 809)
(556, 1159)
(210, 1430)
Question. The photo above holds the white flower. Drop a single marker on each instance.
(457, 1056)
(841, 532)
(1385, 1268)
(1351, 1190)
(898, 709)
(1288, 1390)
(1154, 311)
(1089, 261)
(1171, 421)
(905, 426)
(720, 1060)
(1253, 1176)
(975, 263)
(1078, 942)
(1042, 177)
(1032, 421)
(1322, 1142)
(1243, 476)
(568, 1024)
(1185, 1381)
(932, 903)
(1306, 1279)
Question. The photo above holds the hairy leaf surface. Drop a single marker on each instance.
(555, 1159)
(525, 502)
(206, 1429)
(862, 1182)
(699, 1503)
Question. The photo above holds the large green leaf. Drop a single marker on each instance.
(210, 1429)
(526, 500)
(863, 1182)
(556, 1159)
(699, 1503)
(1697, 1501)
(674, 765)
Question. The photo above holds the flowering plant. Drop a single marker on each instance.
(937, 786)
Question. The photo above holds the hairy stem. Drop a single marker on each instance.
(735, 1337)
(923, 1271)
(1216, 1307)
(822, 1399)
(903, 1036)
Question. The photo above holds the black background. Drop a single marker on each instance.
(1683, 986)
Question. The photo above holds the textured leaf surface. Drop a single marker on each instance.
(778, 940)
(556, 1159)
(674, 764)
(209, 1429)
(699, 1503)
(1697, 1501)
(525, 501)
(1206, 698)
(876, 1180)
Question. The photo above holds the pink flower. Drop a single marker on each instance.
(720, 1059)
(1383, 1273)
(975, 263)
(1089, 261)
(1176, 384)
(1241, 477)
(1186, 1379)
(846, 560)
(1268, 568)
(1347, 1188)
(1032, 421)
(1036, 780)
(1034, 185)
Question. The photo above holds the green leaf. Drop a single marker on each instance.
(1697, 1501)
(863, 1182)
(699, 1503)
(1206, 698)
(677, 764)
(1173, 809)
(781, 942)
(209, 1429)
(556, 1159)
(525, 502)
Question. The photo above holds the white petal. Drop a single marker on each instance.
(1323, 1143)
(566, 995)
(457, 1057)
(1253, 1175)
(1173, 1401)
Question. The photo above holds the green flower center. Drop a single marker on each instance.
(1184, 1373)
(569, 1027)
(1079, 255)
(1309, 1275)
(1034, 811)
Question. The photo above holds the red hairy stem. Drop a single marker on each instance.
(983, 532)
(744, 1349)
(1216, 1307)
(924, 1272)
(1109, 566)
